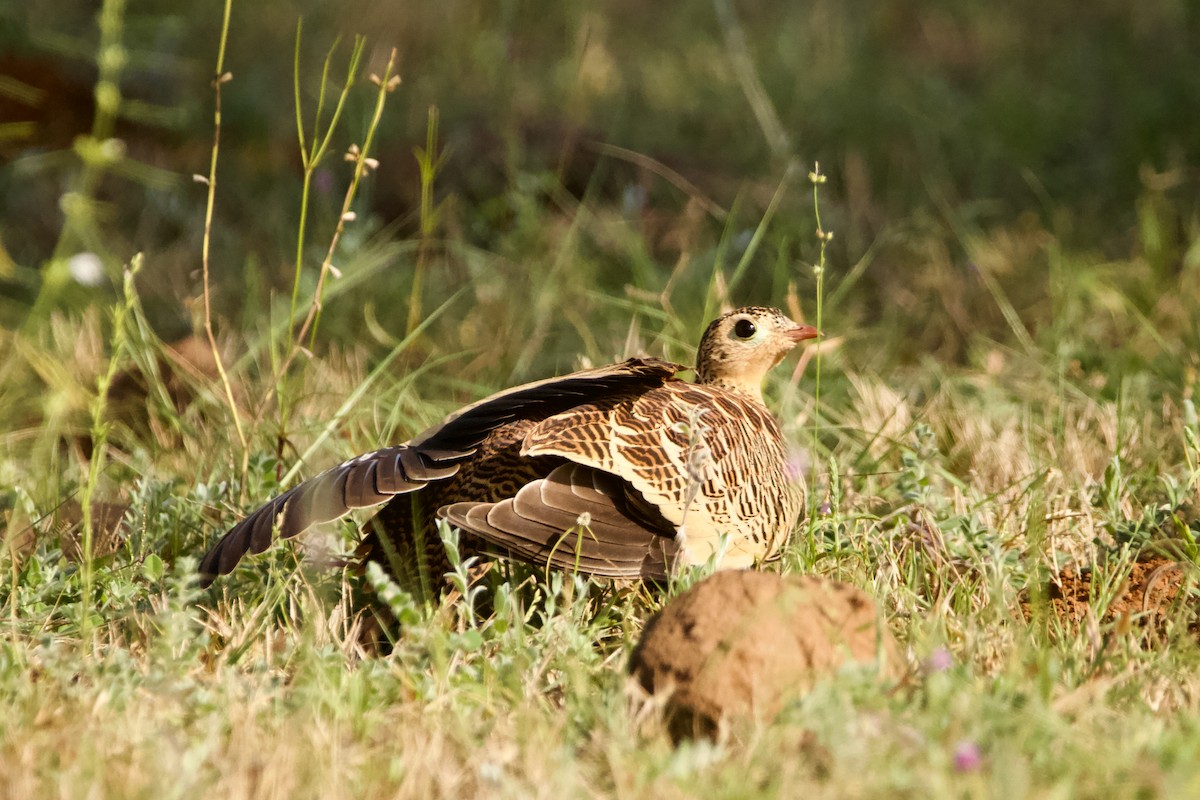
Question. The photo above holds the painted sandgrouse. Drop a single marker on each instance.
(619, 471)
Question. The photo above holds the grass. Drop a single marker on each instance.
(1004, 395)
(260, 687)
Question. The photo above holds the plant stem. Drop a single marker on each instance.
(428, 162)
(221, 77)
(311, 155)
(99, 434)
(362, 162)
(819, 271)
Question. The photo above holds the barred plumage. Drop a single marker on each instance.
(621, 471)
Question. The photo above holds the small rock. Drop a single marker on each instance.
(744, 643)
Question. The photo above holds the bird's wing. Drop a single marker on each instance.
(364, 481)
(375, 477)
(706, 460)
(576, 518)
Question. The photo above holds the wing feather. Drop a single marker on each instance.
(545, 523)
(434, 455)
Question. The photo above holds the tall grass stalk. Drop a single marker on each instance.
(363, 163)
(312, 153)
(824, 237)
(99, 435)
(760, 231)
(429, 161)
(719, 288)
(221, 77)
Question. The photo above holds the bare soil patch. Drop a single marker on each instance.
(1154, 592)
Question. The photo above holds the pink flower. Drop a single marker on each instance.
(967, 757)
(939, 660)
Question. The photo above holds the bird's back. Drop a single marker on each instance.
(710, 461)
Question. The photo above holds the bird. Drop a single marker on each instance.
(620, 471)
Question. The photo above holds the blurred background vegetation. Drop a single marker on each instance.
(1009, 184)
(1030, 141)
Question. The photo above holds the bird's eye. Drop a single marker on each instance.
(744, 328)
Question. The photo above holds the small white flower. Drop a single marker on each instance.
(86, 269)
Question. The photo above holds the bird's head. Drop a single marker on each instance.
(739, 348)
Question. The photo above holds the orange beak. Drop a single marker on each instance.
(801, 332)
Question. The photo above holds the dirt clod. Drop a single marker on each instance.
(743, 643)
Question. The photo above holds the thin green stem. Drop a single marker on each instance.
(307, 162)
(816, 178)
(311, 155)
(760, 232)
(429, 162)
(220, 78)
(99, 435)
(362, 163)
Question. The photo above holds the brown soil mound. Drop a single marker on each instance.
(743, 643)
(1148, 596)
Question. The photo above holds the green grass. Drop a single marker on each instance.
(1006, 387)
(956, 492)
